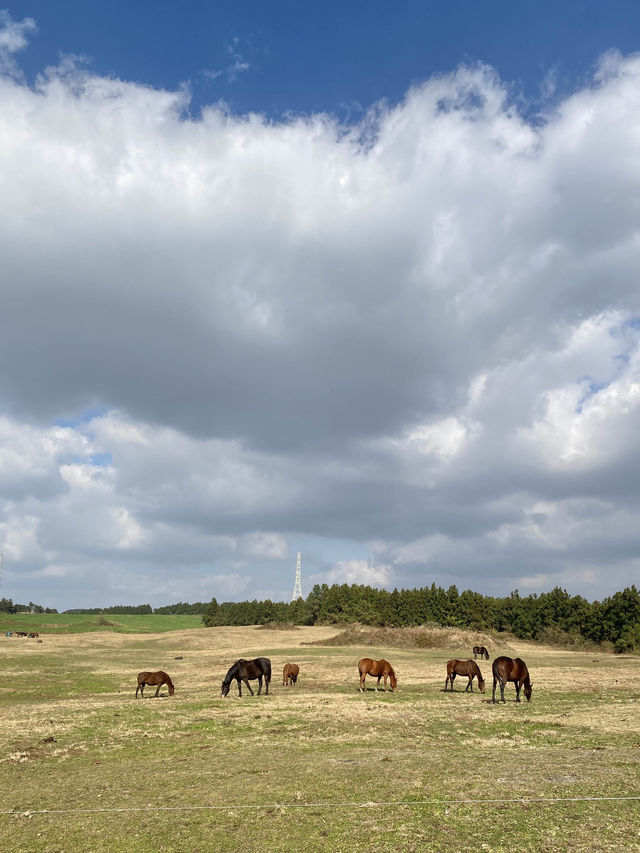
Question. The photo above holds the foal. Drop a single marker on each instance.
(290, 674)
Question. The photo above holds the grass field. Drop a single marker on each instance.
(80, 623)
(72, 736)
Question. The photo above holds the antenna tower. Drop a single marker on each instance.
(297, 587)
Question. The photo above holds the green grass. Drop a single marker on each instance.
(78, 623)
(297, 751)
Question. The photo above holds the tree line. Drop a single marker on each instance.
(7, 606)
(182, 608)
(553, 616)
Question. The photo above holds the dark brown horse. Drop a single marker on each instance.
(290, 674)
(154, 678)
(507, 669)
(464, 667)
(243, 670)
(381, 669)
(482, 651)
(33, 635)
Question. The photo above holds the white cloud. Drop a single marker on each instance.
(420, 332)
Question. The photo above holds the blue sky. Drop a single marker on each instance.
(336, 57)
(243, 317)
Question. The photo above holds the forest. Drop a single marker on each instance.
(554, 617)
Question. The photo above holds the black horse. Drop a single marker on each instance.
(243, 670)
(482, 651)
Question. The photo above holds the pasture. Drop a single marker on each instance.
(73, 737)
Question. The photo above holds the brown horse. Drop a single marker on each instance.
(380, 668)
(243, 670)
(290, 674)
(507, 669)
(482, 651)
(154, 678)
(33, 635)
(464, 667)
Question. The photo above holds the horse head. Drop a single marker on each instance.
(225, 688)
(481, 684)
(393, 680)
(172, 689)
(528, 690)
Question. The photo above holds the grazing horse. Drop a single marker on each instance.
(482, 651)
(243, 670)
(508, 669)
(154, 678)
(464, 667)
(379, 668)
(33, 635)
(290, 674)
(19, 633)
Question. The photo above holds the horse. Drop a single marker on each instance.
(377, 668)
(19, 633)
(243, 670)
(32, 635)
(290, 674)
(154, 678)
(507, 669)
(464, 667)
(482, 651)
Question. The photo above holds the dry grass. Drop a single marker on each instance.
(423, 637)
(72, 734)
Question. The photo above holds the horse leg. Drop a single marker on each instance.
(158, 690)
(453, 678)
(378, 683)
(363, 676)
(502, 691)
(137, 688)
(239, 688)
(267, 681)
(259, 684)
(385, 682)
(517, 686)
(493, 695)
(469, 684)
(446, 681)
(248, 687)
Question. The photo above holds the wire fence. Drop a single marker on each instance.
(322, 805)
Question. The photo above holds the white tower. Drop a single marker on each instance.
(297, 587)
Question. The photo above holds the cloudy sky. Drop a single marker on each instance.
(364, 287)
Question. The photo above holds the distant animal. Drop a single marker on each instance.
(290, 674)
(32, 635)
(464, 667)
(482, 651)
(154, 678)
(245, 670)
(381, 669)
(19, 633)
(507, 669)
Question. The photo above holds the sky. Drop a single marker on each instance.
(357, 280)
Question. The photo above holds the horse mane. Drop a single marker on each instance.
(233, 671)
